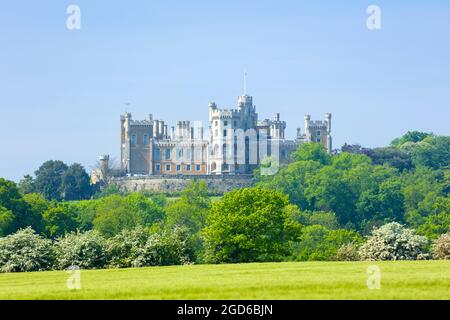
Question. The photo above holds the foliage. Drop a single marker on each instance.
(410, 136)
(394, 157)
(15, 211)
(312, 151)
(319, 243)
(124, 249)
(26, 185)
(75, 184)
(348, 252)
(25, 251)
(248, 225)
(116, 213)
(170, 247)
(59, 220)
(85, 250)
(326, 219)
(441, 247)
(49, 179)
(393, 242)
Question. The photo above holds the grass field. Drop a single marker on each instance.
(303, 280)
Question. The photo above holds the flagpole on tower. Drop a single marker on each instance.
(245, 82)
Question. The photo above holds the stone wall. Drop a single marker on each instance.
(168, 184)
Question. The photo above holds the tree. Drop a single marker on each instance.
(75, 184)
(49, 178)
(6, 219)
(85, 250)
(312, 151)
(394, 157)
(410, 136)
(319, 243)
(116, 213)
(248, 225)
(16, 213)
(59, 220)
(25, 251)
(394, 242)
(26, 185)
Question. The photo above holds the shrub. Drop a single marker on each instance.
(164, 249)
(25, 251)
(319, 243)
(124, 249)
(348, 252)
(393, 242)
(441, 247)
(85, 250)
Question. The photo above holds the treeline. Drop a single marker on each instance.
(359, 204)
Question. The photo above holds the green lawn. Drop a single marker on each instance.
(302, 280)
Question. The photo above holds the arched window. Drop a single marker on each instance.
(145, 139)
(133, 139)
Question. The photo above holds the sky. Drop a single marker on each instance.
(62, 91)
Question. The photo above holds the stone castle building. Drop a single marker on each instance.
(236, 142)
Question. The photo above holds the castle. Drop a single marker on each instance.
(236, 142)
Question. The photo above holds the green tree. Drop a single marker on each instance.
(26, 185)
(410, 136)
(319, 243)
(49, 179)
(248, 225)
(16, 213)
(116, 213)
(312, 151)
(75, 184)
(59, 220)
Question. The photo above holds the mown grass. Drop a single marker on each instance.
(293, 280)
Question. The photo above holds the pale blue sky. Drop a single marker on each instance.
(62, 92)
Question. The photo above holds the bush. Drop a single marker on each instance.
(319, 243)
(393, 242)
(441, 247)
(85, 250)
(164, 249)
(124, 249)
(348, 252)
(25, 251)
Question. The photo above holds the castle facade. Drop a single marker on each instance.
(236, 142)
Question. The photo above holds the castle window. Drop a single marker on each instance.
(188, 154)
(158, 154)
(179, 154)
(318, 139)
(168, 168)
(224, 133)
(318, 133)
(133, 139)
(198, 167)
(235, 124)
(178, 167)
(157, 167)
(225, 123)
(167, 153)
(145, 139)
(188, 167)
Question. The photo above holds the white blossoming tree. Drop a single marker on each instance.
(394, 242)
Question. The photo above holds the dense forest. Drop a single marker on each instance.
(358, 203)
